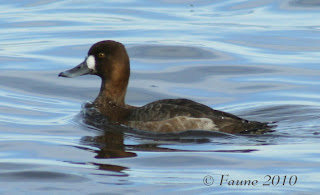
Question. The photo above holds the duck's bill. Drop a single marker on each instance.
(81, 69)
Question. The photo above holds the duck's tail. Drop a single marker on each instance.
(254, 127)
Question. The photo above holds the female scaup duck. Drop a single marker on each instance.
(109, 60)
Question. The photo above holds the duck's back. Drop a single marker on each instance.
(175, 115)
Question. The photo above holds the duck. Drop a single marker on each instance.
(109, 60)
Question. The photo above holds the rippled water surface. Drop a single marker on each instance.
(256, 59)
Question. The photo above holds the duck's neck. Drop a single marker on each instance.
(112, 94)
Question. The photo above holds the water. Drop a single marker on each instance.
(255, 59)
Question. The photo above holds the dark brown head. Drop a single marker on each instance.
(107, 59)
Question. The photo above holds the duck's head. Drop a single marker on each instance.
(107, 59)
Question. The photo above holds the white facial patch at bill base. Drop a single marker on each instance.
(91, 62)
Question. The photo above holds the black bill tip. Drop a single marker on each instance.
(61, 74)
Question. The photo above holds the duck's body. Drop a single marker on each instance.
(110, 61)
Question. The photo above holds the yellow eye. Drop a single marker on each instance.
(101, 55)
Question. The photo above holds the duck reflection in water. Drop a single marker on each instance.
(109, 144)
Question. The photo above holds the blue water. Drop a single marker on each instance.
(256, 59)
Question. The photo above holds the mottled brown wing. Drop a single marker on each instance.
(169, 108)
(206, 110)
(157, 111)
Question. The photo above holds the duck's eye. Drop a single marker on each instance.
(101, 55)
